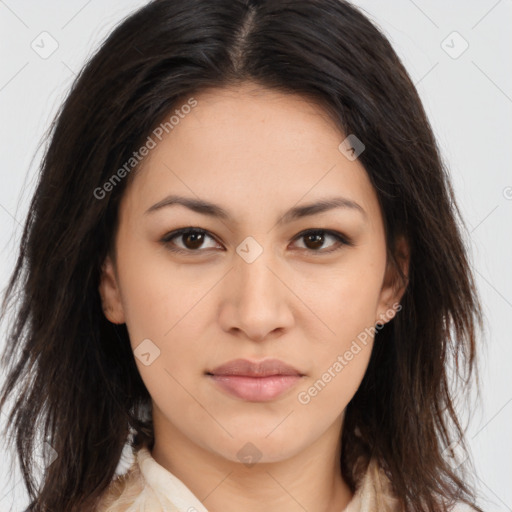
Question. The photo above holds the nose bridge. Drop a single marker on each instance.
(258, 294)
(256, 282)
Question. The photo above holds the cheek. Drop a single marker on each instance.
(158, 296)
(346, 301)
(165, 310)
(330, 389)
(341, 357)
(345, 298)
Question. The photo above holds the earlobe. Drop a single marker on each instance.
(109, 293)
(393, 287)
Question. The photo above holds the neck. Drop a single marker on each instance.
(309, 480)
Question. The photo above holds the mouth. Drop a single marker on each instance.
(255, 381)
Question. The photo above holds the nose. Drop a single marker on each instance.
(257, 300)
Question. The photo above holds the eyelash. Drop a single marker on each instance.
(342, 239)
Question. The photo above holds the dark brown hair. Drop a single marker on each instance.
(72, 373)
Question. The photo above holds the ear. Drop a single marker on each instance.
(109, 292)
(393, 286)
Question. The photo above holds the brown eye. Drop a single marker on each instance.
(192, 240)
(315, 239)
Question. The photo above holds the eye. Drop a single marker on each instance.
(192, 239)
(315, 238)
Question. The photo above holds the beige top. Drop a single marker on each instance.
(149, 487)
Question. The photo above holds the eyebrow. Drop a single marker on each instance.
(297, 212)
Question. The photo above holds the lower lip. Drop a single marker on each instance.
(256, 389)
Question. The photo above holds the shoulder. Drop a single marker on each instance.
(374, 491)
(148, 486)
(122, 492)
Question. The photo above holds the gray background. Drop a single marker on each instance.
(467, 95)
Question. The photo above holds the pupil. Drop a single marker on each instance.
(319, 240)
(196, 240)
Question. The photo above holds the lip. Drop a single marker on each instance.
(255, 381)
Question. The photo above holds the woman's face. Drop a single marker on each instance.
(254, 285)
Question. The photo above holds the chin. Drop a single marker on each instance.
(250, 447)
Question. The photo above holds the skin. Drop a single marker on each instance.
(256, 153)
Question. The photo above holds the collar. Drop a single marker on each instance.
(148, 486)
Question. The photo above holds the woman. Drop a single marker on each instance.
(242, 266)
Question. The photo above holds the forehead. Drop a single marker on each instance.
(256, 117)
(246, 144)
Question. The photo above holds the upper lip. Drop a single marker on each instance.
(245, 367)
